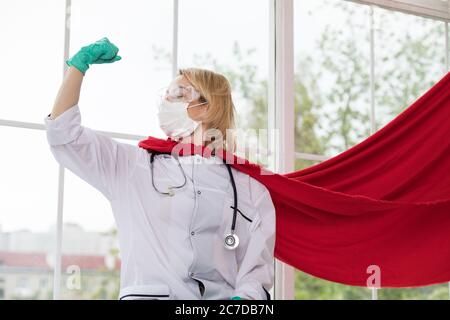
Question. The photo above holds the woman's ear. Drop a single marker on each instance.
(204, 110)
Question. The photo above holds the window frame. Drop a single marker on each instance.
(435, 9)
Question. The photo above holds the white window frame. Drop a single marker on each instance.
(281, 114)
(435, 9)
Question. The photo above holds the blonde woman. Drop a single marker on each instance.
(172, 213)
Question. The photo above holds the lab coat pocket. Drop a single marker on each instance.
(255, 222)
(146, 292)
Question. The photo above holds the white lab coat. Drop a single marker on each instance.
(173, 247)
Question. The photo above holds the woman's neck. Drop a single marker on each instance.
(196, 137)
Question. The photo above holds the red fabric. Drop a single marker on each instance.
(383, 202)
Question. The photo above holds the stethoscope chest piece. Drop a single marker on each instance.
(231, 241)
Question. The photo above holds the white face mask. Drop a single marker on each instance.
(174, 119)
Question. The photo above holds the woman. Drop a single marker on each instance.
(171, 214)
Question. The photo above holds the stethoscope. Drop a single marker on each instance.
(231, 240)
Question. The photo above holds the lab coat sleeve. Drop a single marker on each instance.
(256, 268)
(99, 160)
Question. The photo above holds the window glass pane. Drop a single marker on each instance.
(410, 58)
(91, 255)
(31, 58)
(435, 292)
(331, 100)
(304, 163)
(308, 287)
(27, 214)
(237, 48)
(121, 97)
(331, 75)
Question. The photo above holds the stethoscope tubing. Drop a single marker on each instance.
(232, 238)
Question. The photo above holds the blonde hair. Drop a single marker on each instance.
(216, 90)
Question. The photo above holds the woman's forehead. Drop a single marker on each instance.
(181, 80)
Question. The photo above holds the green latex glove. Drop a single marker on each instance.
(237, 298)
(101, 51)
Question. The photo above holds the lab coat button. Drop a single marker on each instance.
(192, 274)
(192, 233)
(199, 192)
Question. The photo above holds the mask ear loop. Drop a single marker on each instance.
(198, 104)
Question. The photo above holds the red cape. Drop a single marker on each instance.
(383, 202)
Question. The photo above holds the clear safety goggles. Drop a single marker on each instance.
(178, 93)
